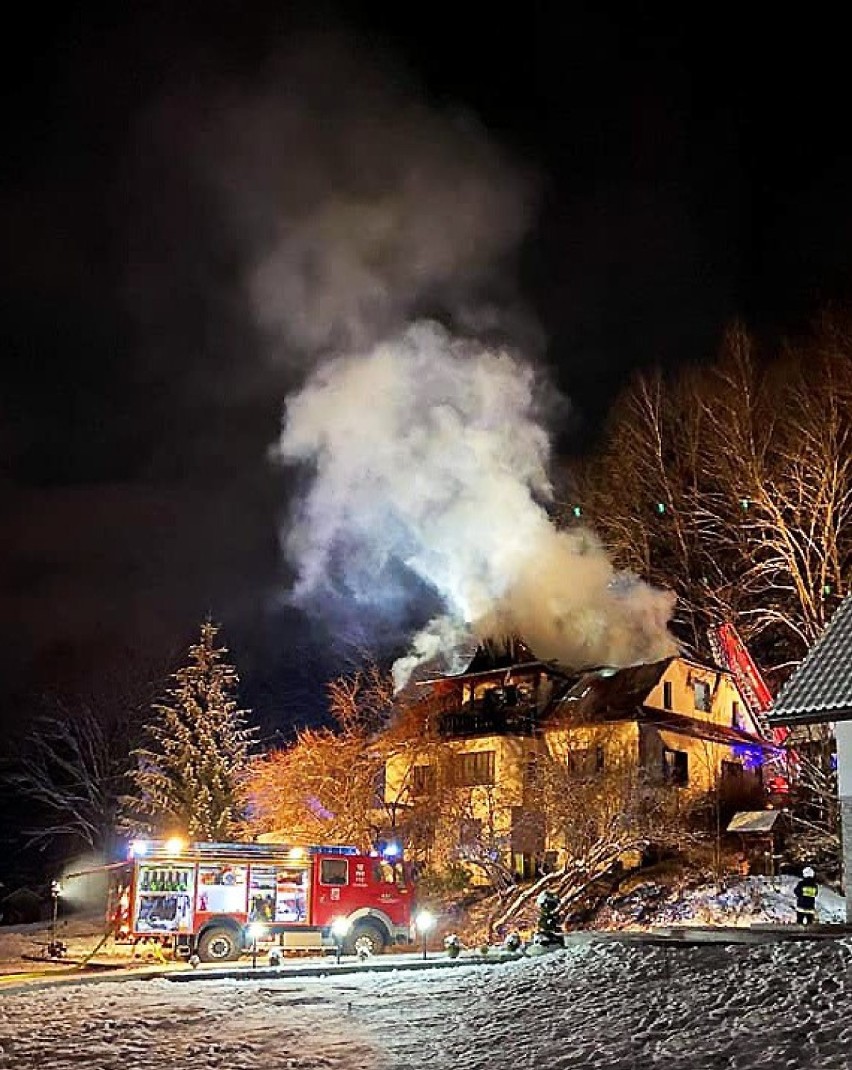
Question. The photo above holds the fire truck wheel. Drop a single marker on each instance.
(366, 937)
(219, 945)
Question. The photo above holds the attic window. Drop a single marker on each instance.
(701, 691)
(667, 695)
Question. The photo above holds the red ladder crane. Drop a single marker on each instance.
(731, 653)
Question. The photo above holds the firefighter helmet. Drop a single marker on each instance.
(807, 872)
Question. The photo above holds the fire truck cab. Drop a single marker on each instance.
(215, 900)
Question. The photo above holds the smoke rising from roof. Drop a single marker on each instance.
(428, 451)
(369, 216)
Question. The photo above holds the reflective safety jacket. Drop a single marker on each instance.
(806, 893)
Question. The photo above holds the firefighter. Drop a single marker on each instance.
(806, 892)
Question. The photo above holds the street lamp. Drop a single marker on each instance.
(55, 948)
(339, 929)
(256, 932)
(424, 922)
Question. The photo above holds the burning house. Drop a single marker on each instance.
(685, 725)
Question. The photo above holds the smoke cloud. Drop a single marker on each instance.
(427, 451)
(358, 205)
(380, 233)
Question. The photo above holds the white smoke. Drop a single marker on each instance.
(358, 203)
(361, 208)
(427, 451)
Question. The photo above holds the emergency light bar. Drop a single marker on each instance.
(166, 849)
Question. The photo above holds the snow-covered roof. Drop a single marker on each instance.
(753, 821)
(821, 688)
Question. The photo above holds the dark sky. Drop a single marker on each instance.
(689, 168)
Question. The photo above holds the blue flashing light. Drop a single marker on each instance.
(139, 848)
(751, 757)
(392, 850)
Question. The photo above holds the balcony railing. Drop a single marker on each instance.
(483, 719)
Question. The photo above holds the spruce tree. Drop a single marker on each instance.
(548, 929)
(189, 778)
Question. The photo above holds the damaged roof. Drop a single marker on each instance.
(509, 656)
(499, 654)
(620, 691)
(821, 688)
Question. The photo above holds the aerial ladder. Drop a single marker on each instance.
(731, 653)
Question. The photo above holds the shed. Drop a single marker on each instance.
(759, 832)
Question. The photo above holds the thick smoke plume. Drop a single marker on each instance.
(427, 452)
(369, 217)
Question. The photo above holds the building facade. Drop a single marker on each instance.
(512, 732)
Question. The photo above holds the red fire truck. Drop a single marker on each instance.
(216, 900)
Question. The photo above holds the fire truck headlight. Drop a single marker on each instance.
(256, 930)
(424, 921)
(174, 845)
(340, 927)
(139, 848)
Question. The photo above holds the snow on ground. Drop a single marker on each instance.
(20, 944)
(609, 1006)
(601, 1006)
(745, 901)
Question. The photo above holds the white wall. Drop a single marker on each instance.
(843, 735)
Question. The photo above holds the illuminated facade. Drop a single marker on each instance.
(685, 725)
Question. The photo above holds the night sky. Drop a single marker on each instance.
(688, 169)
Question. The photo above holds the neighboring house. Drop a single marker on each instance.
(684, 724)
(820, 692)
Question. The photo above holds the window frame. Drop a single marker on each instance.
(334, 883)
(586, 761)
(422, 780)
(676, 769)
(705, 705)
(465, 772)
